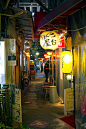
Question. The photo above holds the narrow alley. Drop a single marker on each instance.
(38, 112)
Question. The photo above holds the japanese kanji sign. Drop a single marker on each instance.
(49, 40)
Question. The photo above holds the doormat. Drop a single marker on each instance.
(69, 120)
(40, 124)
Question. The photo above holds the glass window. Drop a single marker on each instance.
(34, 9)
(41, 9)
(28, 8)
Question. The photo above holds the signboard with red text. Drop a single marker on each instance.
(62, 42)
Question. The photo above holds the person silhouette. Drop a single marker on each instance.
(46, 70)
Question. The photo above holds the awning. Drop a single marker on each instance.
(57, 18)
(24, 23)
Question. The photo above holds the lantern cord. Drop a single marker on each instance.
(67, 30)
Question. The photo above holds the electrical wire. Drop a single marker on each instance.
(67, 30)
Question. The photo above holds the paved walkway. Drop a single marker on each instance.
(38, 112)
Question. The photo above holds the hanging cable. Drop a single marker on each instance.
(67, 30)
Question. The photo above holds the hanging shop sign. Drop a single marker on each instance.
(49, 40)
(11, 47)
(62, 42)
(66, 62)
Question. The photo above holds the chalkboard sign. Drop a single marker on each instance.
(16, 108)
(68, 100)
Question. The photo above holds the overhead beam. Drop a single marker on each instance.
(26, 30)
(19, 29)
(7, 3)
(30, 36)
(26, 34)
(17, 14)
(59, 10)
(38, 1)
(25, 11)
(19, 17)
(24, 25)
(23, 18)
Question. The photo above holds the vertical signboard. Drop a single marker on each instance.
(2, 62)
(11, 47)
(16, 108)
(62, 42)
(68, 100)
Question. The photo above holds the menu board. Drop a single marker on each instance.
(68, 100)
(16, 108)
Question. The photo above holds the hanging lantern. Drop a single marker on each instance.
(45, 55)
(66, 62)
(27, 54)
(49, 40)
(49, 53)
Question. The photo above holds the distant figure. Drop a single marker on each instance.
(41, 67)
(35, 69)
(46, 70)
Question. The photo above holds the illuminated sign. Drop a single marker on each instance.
(66, 62)
(62, 42)
(49, 40)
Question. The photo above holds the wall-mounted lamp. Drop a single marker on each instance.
(69, 77)
(45, 55)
